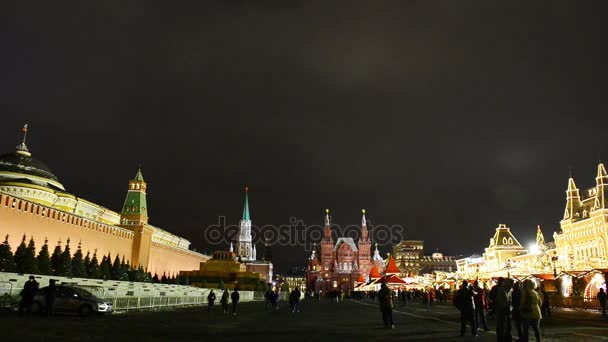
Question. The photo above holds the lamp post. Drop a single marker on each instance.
(554, 261)
(508, 266)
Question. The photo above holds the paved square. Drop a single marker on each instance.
(320, 321)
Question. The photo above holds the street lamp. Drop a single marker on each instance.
(508, 266)
(554, 262)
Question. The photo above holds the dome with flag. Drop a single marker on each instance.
(20, 167)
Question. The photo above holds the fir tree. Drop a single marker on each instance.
(29, 262)
(78, 266)
(44, 260)
(163, 279)
(56, 258)
(7, 260)
(105, 267)
(116, 269)
(132, 273)
(87, 263)
(124, 269)
(93, 270)
(155, 278)
(65, 263)
(20, 255)
(221, 285)
(259, 286)
(148, 277)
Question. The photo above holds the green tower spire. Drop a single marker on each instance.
(139, 176)
(135, 209)
(246, 208)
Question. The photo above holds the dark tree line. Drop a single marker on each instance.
(65, 264)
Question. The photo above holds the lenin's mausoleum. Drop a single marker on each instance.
(33, 202)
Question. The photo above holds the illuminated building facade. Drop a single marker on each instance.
(34, 202)
(343, 262)
(410, 258)
(581, 241)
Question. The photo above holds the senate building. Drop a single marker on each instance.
(34, 202)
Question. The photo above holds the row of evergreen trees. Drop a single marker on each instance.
(62, 263)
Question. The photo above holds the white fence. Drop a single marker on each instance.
(124, 295)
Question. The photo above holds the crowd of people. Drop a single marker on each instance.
(509, 303)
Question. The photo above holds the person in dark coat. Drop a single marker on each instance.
(224, 301)
(502, 308)
(515, 313)
(27, 295)
(272, 299)
(546, 306)
(235, 300)
(268, 298)
(465, 302)
(601, 297)
(481, 304)
(210, 300)
(385, 299)
(49, 297)
(295, 300)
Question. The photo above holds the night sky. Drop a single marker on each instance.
(446, 118)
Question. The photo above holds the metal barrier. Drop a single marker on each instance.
(589, 303)
(6, 287)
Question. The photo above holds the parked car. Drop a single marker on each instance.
(71, 300)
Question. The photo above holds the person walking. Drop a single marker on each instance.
(224, 301)
(481, 304)
(516, 312)
(465, 303)
(27, 295)
(296, 300)
(385, 298)
(210, 301)
(601, 297)
(49, 297)
(502, 310)
(530, 310)
(235, 300)
(267, 297)
(546, 306)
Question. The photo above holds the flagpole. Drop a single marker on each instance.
(24, 133)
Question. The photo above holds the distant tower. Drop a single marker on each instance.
(573, 201)
(135, 209)
(327, 244)
(365, 246)
(134, 216)
(601, 181)
(243, 241)
(378, 261)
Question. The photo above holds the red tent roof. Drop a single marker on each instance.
(391, 267)
(373, 273)
(361, 279)
(393, 279)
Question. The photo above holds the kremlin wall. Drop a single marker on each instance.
(33, 202)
